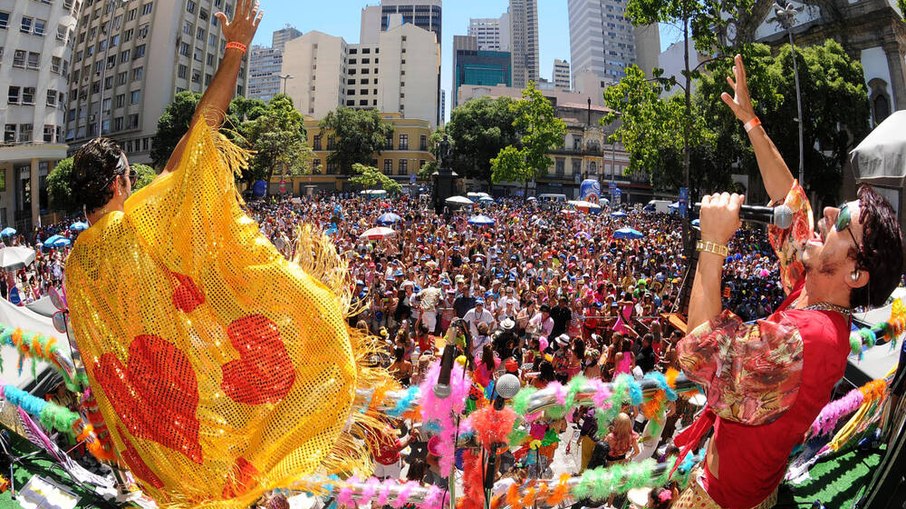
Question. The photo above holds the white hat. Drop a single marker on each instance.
(508, 324)
(562, 339)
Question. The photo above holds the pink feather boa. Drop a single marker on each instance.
(442, 411)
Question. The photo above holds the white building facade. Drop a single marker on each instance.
(561, 77)
(524, 41)
(265, 64)
(493, 34)
(117, 90)
(36, 39)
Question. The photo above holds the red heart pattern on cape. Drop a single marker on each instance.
(263, 373)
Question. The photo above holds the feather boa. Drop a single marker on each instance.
(441, 411)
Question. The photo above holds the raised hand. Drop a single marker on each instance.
(741, 102)
(719, 216)
(244, 24)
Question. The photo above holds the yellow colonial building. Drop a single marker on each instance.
(405, 152)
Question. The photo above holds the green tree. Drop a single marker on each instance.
(172, 125)
(277, 136)
(144, 175)
(58, 190)
(357, 135)
(539, 130)
(368, 177)
(479, 129)
(834, 104)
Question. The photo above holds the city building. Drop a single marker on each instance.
(398, 74)
(673, 62)
(493, 34)
(871, 31)
(586, 151)
(473, 66)
(524, 41)
(406, 151)
(602, 40)
(561, 74)
(117, 90)
(34, 72)
(265, 64)
(425, 14)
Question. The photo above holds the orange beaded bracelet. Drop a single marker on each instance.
(237, 45)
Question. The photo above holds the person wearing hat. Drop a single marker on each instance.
(475, 316)
(541, 324)
(505, 339)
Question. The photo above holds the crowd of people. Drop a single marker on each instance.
(24, 285)
(545, 293)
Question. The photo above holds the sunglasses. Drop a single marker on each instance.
(844, 221)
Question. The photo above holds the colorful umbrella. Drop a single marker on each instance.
(377, 233)
(618, 213)
(8, 231)
(78, 226)
(628, 233)
(481, 220)
(388, 218)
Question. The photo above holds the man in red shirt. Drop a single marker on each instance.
(767, 381)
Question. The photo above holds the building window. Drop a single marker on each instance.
(210, 59)
(132, 122)
(187, 28)
(388, 166)
(105, 105)
(138, 74)
(139, 52)
(108, 82)
(34, 60)
(404, 167)
(27, 24)
(199, 34)
(120, 100)
(316, 141)
(184, 49)
(196, 76)
(118, 124)
(48, 133)
(121, 78)
(190, 6)
(404, 142)
(9, 134)
(135, 97)
(560, 167)
(423, 142)
(127, 35)
(146, 9)
(51, 97)
(19, 58)
(25, 133)
(62, 32)
(388, 142)
(13, 95)
(332, 168)
(4, 20)
(124, 56)
(28, 95)
(331, 143)
(183, 71)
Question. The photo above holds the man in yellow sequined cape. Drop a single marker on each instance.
(221, 369)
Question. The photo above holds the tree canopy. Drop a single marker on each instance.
(277, 135)
(368, 177)
(539, 130)
(479, 129)
(357, 134)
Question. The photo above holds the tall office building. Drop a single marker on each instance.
(493, 34)
(425, 14)
(396, 75)
(473, 66)
(117, 89)
(524, 41)
(603, 41)
(34, 72)
(265, 64)
(561, 74)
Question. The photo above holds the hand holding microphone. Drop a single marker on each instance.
(719, 216)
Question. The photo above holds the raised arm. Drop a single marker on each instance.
(774, 172)
(216, 99)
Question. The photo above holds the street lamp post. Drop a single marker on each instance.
(285, 77)
(785, 14)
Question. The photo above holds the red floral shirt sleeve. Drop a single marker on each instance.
(789, 243)
(751, 372)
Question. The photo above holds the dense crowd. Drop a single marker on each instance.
(24, 285)
(545, 293)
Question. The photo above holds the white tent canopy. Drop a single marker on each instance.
(29, 321)
(881, 157)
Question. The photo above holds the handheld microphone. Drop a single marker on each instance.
(780, 216)
(442, 387)
(506, 387)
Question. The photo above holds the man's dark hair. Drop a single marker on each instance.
(93, 170)
(881, 253)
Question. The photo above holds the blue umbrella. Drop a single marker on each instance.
(486, 199)
(61, 242)
(49, 243)
(388, 218)
(481, 220)
(78, 226)
(8, 231)
(627, 233)
(618, 213)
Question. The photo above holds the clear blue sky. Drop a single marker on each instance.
(343, 18)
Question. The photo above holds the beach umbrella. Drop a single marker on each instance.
(618, 213)
(486, 199)
(628, 233)
(7, 232)
(377, 233)
(61, 242)
(881, 157)
(584, 206)
(16, 257)
(458, 200)
(49, 241)
(388, 218)
(531, 198)
(78, 226)
(481, 220)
